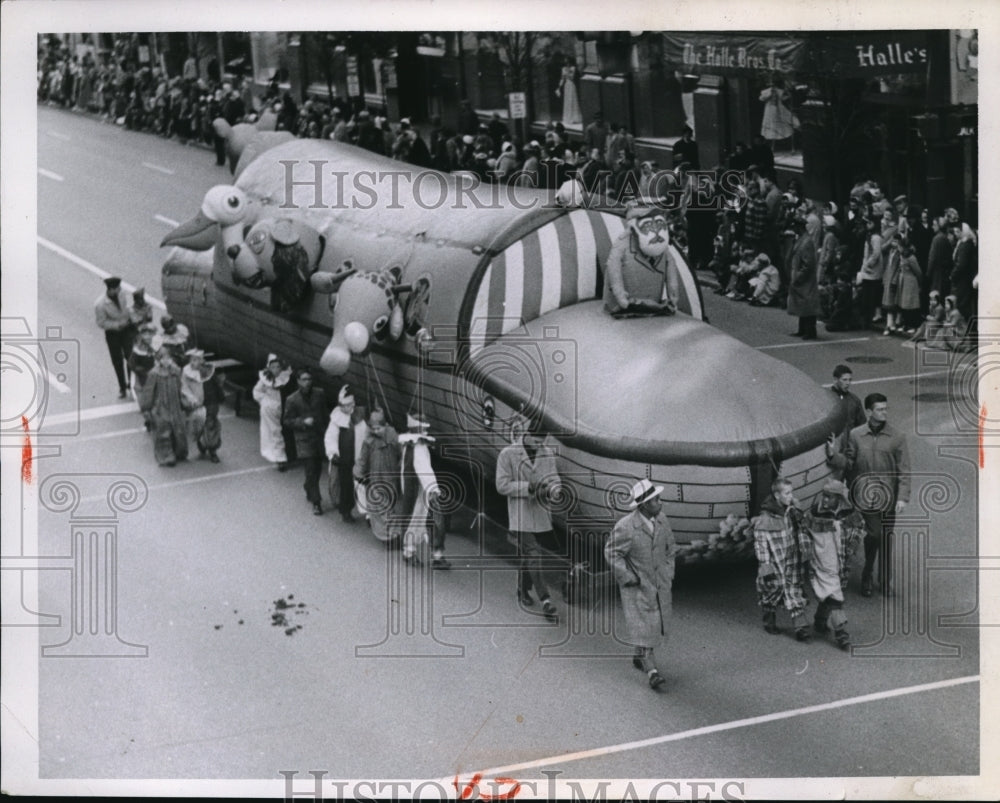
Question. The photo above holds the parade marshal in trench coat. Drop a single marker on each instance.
(641, 552)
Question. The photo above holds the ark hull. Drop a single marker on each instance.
(236, 322)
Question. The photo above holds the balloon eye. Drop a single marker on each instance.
(257, 242)
(233, 201)
(379, 327)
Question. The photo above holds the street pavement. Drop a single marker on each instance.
(224, 693)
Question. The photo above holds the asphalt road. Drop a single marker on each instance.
(225, 694)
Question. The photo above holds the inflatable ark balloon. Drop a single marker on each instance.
(481, 306)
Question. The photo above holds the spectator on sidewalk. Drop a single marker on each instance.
(803, 292)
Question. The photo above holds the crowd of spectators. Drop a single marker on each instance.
(877, 262)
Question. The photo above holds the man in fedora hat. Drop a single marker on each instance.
(113, 317)
(641, 553)
(642, 276)
(527, 475)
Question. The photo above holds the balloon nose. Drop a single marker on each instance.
(233, 251)
(335, 360)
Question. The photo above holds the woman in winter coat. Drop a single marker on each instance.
(870, 276)
(890, 284)
(267, 393)
(908, 294)
(803, 291)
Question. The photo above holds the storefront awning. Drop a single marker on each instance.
(843, 54)
(726, 53)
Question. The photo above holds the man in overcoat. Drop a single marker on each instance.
(307, 415)
(803, 288)
(878, 464)
(527, 474)
(641, 553)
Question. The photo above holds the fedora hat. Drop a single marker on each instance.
(643, 491)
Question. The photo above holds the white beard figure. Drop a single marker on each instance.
(655, 243)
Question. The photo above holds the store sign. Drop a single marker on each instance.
(869, 53)
(518, 105)
(732, 53)
(353, 83)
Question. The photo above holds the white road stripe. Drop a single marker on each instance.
(56, 249)
(49, 174)
(195, 480)
(813, 343)
(166, 220)
(55, 383)
(90, 414)
(57, 135)
(724, 726)
(893, 378)
(159, 169)
(120, 433)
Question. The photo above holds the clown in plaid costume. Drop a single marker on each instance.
(777, 543)
(832, 530)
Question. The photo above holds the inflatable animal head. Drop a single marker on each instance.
(230, 209)
(365, 307)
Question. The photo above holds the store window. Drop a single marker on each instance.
(774, 111)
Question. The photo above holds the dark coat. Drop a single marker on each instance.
(962, 274)
(803, 289)
(308, 437)
(939, 264)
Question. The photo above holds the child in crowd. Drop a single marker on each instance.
(930, 329)
(766, 283)
(739, 281)
(832, 530)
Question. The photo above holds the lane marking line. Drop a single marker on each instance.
(893, 378)
(58, 135)
(195, 480)
(55, 383)
(56, 249)
(813, 343)
(49, 174)
(726, 726)
(166, 220)
(164, 170)
(90, 414)
(96, 413)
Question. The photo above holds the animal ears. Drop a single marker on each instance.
(284, 232)
(396, 272)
